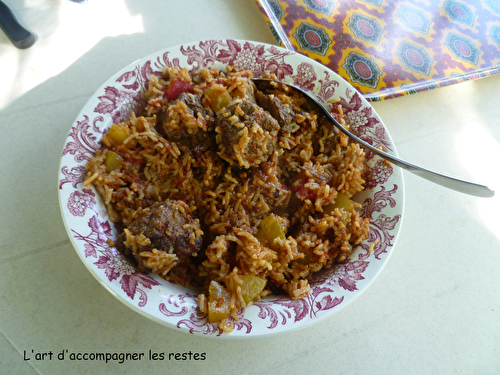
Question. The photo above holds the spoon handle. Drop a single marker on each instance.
(463, 186)
(453, 183)
(18, 35)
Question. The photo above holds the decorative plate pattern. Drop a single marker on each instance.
(312, 38)
(414, 58)
(414, 19)
(365, 28)
(88, 227)
(456, 40)
(362, 69)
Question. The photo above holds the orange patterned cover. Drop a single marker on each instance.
(388, 48)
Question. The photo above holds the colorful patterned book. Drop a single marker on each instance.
(388, 48)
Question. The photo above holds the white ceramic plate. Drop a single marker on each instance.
(88, 226)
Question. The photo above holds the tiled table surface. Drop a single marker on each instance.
(434, 309)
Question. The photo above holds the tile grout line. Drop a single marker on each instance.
(17, 350)
(5, 110)
(35, 251)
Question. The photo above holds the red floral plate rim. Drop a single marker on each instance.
(88, 226)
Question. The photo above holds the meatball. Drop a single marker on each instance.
(246, 134)
(165, 231)
(326, 137)
(184, 118)
(273, 104)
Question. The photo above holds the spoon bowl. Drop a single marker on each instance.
(460, 185)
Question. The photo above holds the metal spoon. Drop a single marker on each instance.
(456, 184)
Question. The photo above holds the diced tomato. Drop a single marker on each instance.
(135, 161)
(303, 192)
(177, 87)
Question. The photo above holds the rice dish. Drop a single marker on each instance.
(239, 191)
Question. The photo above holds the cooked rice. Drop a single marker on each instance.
(227, 169)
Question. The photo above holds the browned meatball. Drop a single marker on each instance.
(326, 138)
(273, 104)
(246, 134)
(184, 118)
(169, 227)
